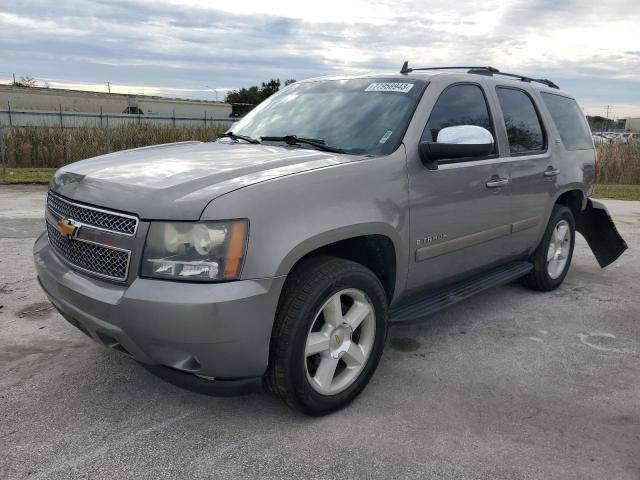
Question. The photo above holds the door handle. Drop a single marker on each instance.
(551, 172)
(497, 182)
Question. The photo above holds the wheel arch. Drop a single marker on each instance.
(374, 246)
(574, 199)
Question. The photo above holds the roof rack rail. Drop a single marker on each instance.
(489, 71)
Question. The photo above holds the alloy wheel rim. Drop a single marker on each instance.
(340, 341)
(559, 246)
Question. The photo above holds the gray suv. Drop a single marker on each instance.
(277, 255)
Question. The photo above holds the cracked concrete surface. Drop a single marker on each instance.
(512, 384)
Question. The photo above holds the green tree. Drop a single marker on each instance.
(254, 95)
(269, 88)
(244, 95)
(598, 123)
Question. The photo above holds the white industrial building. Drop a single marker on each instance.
(632, 125)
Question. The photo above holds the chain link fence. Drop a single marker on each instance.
(21, 118)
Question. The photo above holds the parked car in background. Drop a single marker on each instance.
(630, 137)
(613, 137)
(278, 255)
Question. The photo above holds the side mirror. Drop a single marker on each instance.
(462, 141)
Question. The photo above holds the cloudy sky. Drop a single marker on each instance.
(195, 48)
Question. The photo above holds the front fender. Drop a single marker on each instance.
(294, 215)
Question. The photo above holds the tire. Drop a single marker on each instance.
(323, 298)
(549, 272)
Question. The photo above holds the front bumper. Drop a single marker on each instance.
(210, 330)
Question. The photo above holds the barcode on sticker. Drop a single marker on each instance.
(389, 87)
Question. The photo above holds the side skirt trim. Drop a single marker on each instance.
(420, 307)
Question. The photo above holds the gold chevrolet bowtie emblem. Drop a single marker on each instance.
(338, 339)
(67, 228)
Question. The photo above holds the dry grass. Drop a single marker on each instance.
(52, 147)
(32, 152)
(619, 163)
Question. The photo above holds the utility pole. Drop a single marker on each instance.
(2, 155)
(606, 119)
(213, 90)
(14, 79)
(109, 87)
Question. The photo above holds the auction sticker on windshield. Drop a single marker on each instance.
(389, 87)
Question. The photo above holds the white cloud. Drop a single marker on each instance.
(169, 45)
(326, 11)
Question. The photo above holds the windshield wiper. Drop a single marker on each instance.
(236, 137)
(293, 140)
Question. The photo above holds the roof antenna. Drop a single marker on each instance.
(405, 68)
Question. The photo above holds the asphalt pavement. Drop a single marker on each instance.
(512, 384)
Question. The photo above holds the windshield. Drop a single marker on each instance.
(366, 116)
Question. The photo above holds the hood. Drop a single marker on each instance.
(177, 181)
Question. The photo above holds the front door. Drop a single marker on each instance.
(460, 213)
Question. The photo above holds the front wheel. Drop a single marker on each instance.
(328, 335)
(552, 258)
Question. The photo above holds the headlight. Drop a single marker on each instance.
(195, 251)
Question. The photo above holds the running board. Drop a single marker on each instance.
(435, 300)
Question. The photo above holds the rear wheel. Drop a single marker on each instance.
(552, 258)
(328, 335)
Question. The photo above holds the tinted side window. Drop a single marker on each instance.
(458, 105)
(569, 120)
(521, 120)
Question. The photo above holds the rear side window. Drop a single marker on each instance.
(524, 130)
(462, 104)
(569, 120)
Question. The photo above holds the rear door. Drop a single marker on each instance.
(533, 169)
(460, 213)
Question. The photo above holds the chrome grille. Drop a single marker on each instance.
(96, 259)
(113, 222)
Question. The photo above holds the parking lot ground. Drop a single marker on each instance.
(512, 384)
